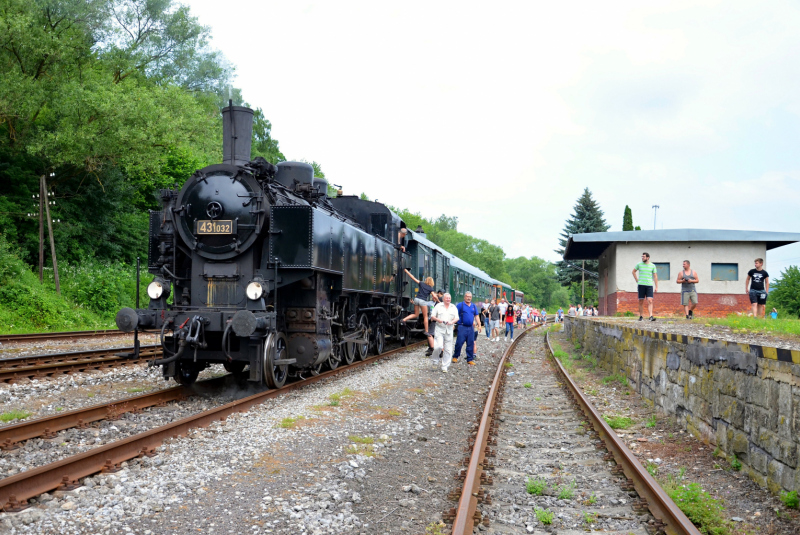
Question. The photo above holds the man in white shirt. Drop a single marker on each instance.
(444, 315)
(503, 307)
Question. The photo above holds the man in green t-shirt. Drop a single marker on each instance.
(646, 278)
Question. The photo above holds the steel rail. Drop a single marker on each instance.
(28, 337)
(10, 374)
(12, 435)
(660, 504)
(465, 514)
(64, 474)
(49, 358)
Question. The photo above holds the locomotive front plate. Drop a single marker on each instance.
(214, 227)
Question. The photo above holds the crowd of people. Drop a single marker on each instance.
(452, 327)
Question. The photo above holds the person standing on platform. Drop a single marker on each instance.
(444, 316)
(647, 280)
(687, 279)
(758, 289)
(466, 333)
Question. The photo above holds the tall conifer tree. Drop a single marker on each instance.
(627, 219)
(586, 217)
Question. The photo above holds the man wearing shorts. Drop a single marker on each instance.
(687, 279)
(758, 289)
(646, 279)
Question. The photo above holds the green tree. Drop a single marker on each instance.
(627, 219)
(586, 217)
(785, 291)
(637, 228)
(263, 143)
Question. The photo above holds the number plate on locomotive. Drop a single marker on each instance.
(214, 227)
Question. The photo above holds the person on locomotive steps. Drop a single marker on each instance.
(431, 332)
(466, 332)
(444, 316)
(422, 300)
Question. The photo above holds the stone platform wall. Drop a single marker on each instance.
(743, 398)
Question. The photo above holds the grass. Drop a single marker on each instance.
(778, 326)
(652, 469)
(592, 361)
(508, 365)
(589, 518)
(567, 492)
(336, 398)
(135, 390)
(618, 422)
(367, 450)
(545, 516)
(13, 415)
(615, 377)
(361, 440)
(592, 500)
(435, 528)
(790, 499)
(705, 511)
(289, 423)
(91, 395)
(651, 422)
(527, 385)
(535, 486)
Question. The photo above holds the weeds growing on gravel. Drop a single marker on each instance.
(337, 398)
(706, 512)
(13, 415)
(435, 528)
(618, 422)
(589, 518)
(736, 464)
(361, 440)
(135, 390)
(652, 469)
(508, 365)
(790, 499)
(367, 450)
(591, 360)
(535, 486)
(527, 385)
(567, 492)
(592, 500)
(289, 423)
(615, 377)
(651, 422)
(545, 516)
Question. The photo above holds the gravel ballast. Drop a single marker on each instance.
(373, 451)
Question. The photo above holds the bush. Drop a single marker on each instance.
(785, 291)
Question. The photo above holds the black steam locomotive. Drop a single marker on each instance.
(265, 271)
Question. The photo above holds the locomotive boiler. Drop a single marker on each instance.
(256, 268)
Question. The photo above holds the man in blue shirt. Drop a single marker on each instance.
(466, 333)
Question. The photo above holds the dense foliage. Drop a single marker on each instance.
(627, 219)
(784, 292)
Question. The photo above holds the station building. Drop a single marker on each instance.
(721, 259)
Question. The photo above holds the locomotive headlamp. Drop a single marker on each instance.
(255, 290)
(155, 289)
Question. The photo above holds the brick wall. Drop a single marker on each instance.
(669, 304)
(742, 398)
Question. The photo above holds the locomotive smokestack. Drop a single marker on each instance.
(237, 134)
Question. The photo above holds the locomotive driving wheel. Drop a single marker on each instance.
(348, 349)
(275, 348)
(379, 342)
(362, 348)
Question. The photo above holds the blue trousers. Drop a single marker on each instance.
(465, 334)
(510, 327)
(488, 329)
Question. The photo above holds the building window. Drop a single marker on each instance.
(662, 268)
(724, 272)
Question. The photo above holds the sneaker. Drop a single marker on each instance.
(472, 363)
(640, 318)
(454, 360)
(652, 318)
(444, 370)
(691, 314)
(429, 352)
(687, 316)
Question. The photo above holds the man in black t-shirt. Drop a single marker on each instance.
(758, 289)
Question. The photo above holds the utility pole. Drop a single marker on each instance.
(655, 212)
(50, 231)
(583, 282)
(41, 232)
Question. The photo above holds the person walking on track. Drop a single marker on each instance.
(509, 323)
(466, 313)
(444, 315)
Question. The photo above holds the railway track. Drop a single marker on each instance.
(67, 335)
(65, 474)
(552, 461)
(52, 364)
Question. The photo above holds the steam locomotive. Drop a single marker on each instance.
(256, 268)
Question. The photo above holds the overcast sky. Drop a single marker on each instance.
(501, 113)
